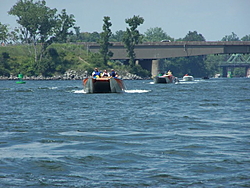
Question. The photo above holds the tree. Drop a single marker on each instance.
(88, 37)
(156, 34)
(40, 25)
(246, 38)
(65, 23)
(75, 37)
(3, 33)
(132, 37)
(4, 65)
(104, 41)
(13, 36)
(118, 36)
(194, 36)
(194, 65)
(232, 37)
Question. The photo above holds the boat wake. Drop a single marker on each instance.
(79, 91)
(48, 88)
(137, 91)
(125, 91)
(187, 82)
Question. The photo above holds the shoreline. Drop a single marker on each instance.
(70, 75)
(39, 78)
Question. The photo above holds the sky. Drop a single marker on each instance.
(214, 19)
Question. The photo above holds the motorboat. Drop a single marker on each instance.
(188, 78)
(165, 79)
(103, 85)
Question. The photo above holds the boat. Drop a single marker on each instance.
(188, 78)
(103, 85)
(165, 79)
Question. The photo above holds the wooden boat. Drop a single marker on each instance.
(188, 78)
(165, 79)
(103, 85)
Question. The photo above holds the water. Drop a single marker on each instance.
(192, 134)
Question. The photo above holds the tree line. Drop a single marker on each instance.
(45, 43)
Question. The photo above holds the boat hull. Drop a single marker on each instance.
(188, 78)
(163, 79)
(103, 85)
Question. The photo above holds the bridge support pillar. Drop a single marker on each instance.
(155, 67)
(145, 64)
(224, 72)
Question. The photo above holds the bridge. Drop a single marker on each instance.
(235, 60)
(148, 54)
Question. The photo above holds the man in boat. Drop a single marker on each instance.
(113, 73)
(96, 73)
(105, 74)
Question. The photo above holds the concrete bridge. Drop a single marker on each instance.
(149, 54)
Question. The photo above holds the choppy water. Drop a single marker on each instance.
(192, 134)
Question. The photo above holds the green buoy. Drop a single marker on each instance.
(20, 76)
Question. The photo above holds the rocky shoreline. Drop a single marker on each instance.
(70, 75)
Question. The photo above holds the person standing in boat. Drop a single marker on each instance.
(96, 73)
(113, 73)
(105, 74)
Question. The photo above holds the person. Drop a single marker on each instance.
(105, 74)
(96, 73)
(113, 73)
(169, 72)
(186, 74)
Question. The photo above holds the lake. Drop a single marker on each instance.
(191, 134)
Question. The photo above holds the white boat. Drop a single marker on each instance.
(103, 85)
(188, 78)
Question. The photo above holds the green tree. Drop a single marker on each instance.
(64, 24)
(3, 33)
(246, 38)
(194, 65)
(89, 37)
(118, 36)
(193, 36)
(40, 25)
(132, 37)
(156, 34)
(36, 23)
(212, 64)
(14, 37)
(232, 37)
(4, 65)
(75, 37)
(104, 41)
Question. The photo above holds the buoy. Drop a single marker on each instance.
(20, 76)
